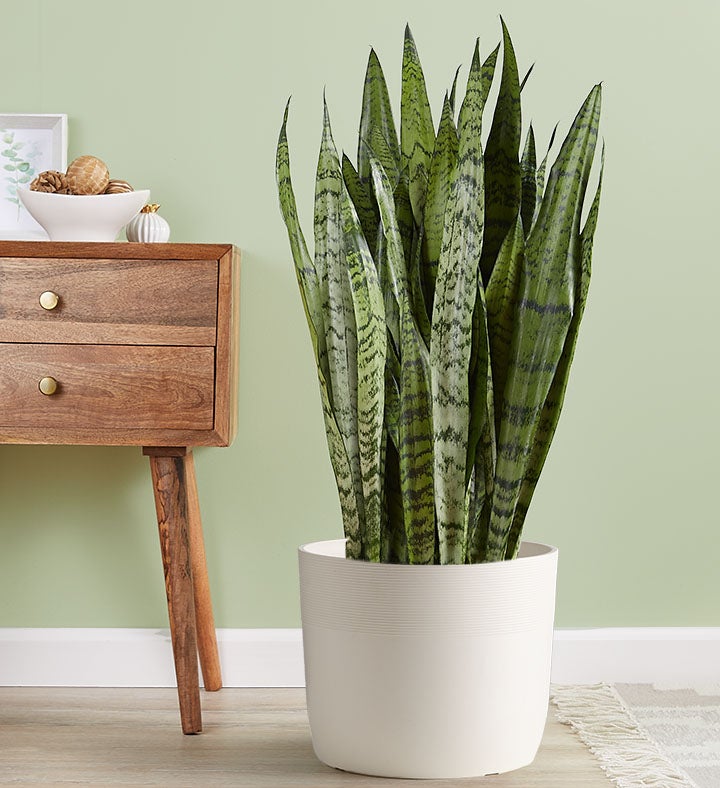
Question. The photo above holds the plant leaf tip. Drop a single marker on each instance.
(285, 115)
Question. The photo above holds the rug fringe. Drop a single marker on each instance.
(627, 755)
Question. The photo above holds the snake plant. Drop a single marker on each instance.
(443, 300)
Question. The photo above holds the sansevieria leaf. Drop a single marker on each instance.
(545, 307)
(415, 445)
(376, 119)
(371, 352)
(528, 177)
(364, 202)
(417, 133)
(451, 340)
(553, 405)
(488, 72)
(501, 298)
(394, 542)
(442, 173)
(481, 442)
(311, 297)
(540, 175)
(337, 303)
(453, 90)
(304, 267)
(502, 165)
(526, 77)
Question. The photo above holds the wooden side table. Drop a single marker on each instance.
(131, 344)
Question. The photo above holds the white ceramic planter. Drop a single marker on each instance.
(427, 671)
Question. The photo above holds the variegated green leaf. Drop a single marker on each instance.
(526, 77)
(442, 172)
(415, 448)
(545, 306)
(540, 175)
(451, 339)
(371, 353)
(502, 165)
(481, 451)
(417, 134)
(453, 89)
(420, 305)
(394, 537)
(386, 277)
(480, 495)
(501, 298)
(364, 202)
(352, 525)
(381, 152)
(553, 405)
(394, 540)
(337, 302)
(488, 72)
(304, 267)
(392, 394)
(310, 295)
(412, 247)
(481, 444)
(376, 119)
(404, 217)
(528, 167)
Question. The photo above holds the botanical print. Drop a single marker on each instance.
(23, 154)
(17, 169)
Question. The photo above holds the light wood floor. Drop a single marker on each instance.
(252, 739)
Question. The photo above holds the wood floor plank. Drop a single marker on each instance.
(253, 738)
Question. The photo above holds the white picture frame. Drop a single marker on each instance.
(29, 145)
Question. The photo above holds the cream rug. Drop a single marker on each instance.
(645, 734)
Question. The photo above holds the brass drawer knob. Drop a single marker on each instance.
(49, 300)
(48, 386)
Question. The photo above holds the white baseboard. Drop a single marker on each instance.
(682, 656)
(143, 658)
(273, 657)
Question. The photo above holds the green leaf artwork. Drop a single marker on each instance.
(19, 167)
(443, 300)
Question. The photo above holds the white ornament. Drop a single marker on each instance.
(148, 227)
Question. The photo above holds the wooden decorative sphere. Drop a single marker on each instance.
(87, 175)
(118, 187)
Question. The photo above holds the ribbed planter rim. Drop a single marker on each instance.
(410, 600)
(328, 548)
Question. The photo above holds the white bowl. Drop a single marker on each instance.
(71, 217)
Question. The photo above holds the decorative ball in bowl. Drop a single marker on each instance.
(78, 217)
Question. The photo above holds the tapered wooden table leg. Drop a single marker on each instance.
(205, 621)
(169, 476)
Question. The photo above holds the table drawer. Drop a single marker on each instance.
(107, 387)
(153, 302)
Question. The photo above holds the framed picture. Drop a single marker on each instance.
(29, 145)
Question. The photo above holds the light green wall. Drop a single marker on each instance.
(189, 103)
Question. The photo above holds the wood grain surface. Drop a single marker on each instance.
(116, 296)
(253, 738)
(107, 387)
(204, 618)
(117, 436)
(114, 251)
(103, 301)
(226, 373)
(171, 504)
